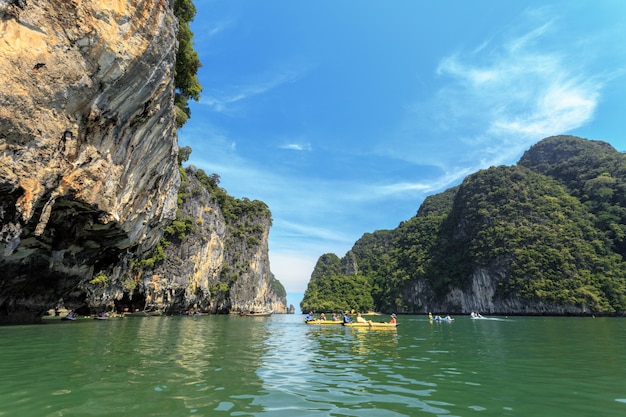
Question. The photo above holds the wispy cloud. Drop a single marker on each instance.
(217, 28)
(523, 90)
(296, 146)
(423, 187)
(498, 99)
(205, 30)
(220, 100)
(293, 269)
(314, 231)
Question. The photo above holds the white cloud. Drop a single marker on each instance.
(527, 92)
(498, 99)
(296, 146)
(293, 270)
(206, 29)
(217, 28)
(313, 232)
(518, 44)
(219, 101)
(424, 188)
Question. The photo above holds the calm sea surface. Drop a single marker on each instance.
(279, 366)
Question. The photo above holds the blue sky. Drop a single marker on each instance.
(343, 115)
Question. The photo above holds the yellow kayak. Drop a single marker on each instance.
(318, 321)
(373, 325)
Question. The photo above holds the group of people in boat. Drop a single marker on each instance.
(439, 318)
(360, 319)
(311, 316)
(346, 318)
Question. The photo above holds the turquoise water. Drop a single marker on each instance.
(278, 366)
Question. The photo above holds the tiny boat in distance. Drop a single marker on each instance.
(144, 313)
(256, 313)
(71, 316)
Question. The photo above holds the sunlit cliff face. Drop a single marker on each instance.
(88, 168)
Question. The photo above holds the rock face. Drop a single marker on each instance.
(88, 153)
(210, 263)
(481, 296)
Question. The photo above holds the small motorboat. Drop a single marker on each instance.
(71, 316)
(101, 316)
(144, 313)
(256, 313)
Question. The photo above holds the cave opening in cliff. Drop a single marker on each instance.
(130, 304)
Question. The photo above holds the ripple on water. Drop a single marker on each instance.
(224, 406)
(229, 366)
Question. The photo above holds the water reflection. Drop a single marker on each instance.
(218, 358)
(333, 370)
(233, 366)
(152, 366)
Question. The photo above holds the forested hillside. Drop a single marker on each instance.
(543, 237)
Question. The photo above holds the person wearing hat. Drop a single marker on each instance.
(393, 318)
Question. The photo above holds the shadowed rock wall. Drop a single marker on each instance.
(88, 153)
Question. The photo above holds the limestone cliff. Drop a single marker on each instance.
(213, 258)
(481, 295)
(88, 152)
(89, 173)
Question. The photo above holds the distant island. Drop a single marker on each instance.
(546, 236)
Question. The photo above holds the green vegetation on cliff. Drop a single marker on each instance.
(591, 171)
(277, 287)
(213, 255)
(550, 230)
(242, 215)
(331, 291)
(186, 81)
(529, 227)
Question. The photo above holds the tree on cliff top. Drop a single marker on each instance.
(186, 80)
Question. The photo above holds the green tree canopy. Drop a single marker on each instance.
(332, 291)
(549, 230)
(186, 80)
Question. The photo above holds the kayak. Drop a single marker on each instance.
(373, 325)
(318, 321)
